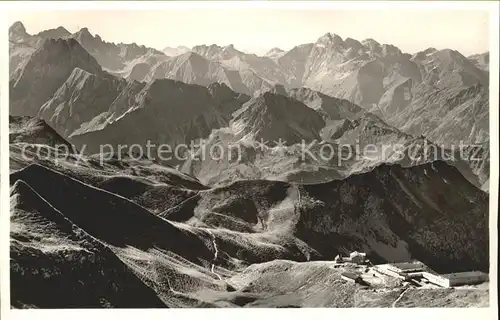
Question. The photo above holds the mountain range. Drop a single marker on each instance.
(439, 95)
(255, 227)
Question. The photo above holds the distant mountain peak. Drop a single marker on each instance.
(231, 49)
(217, 52)
(330, 38)
(275, 52)
(84, 33)
(372, 45)
(61, 28)
(59, 32)
(486, 54)
(370, 41)
(204, 46)
(390, 50)
(481, 60)
(175, 51)
(421, 55)
(17, 27)
(84, 30)
(448, 56)
(275, 49)
(353, 43)
(17, 31)
(429, 50)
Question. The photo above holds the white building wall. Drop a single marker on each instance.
(388, 272)
(436, 279)
(455, 279)
(348, 279)
(468, 279)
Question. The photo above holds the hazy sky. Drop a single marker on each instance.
(258, 30)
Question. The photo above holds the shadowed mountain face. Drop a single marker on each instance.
(272, 117)
(36, 131)
(89, 106)
(45, 71)
(176, 113)
(75, 270)
(481, 61)
(266, 177)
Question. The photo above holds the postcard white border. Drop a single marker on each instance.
(352, 313)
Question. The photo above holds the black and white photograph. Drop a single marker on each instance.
(253, 157)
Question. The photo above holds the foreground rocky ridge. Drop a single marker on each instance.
(186, 245)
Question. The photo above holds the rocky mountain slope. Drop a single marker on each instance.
(44, 72)
(380, 78)
(34, 131)
(45, 245)
(171, 52)
(193, 68)
(91, 108)
(482, 60)
(184, 113)
(111, 56)
(396, 86)
(273, 117)
(87, 105)
(329, 141)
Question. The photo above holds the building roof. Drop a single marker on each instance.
(407, 265)
(355, 253)
(350, 275)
